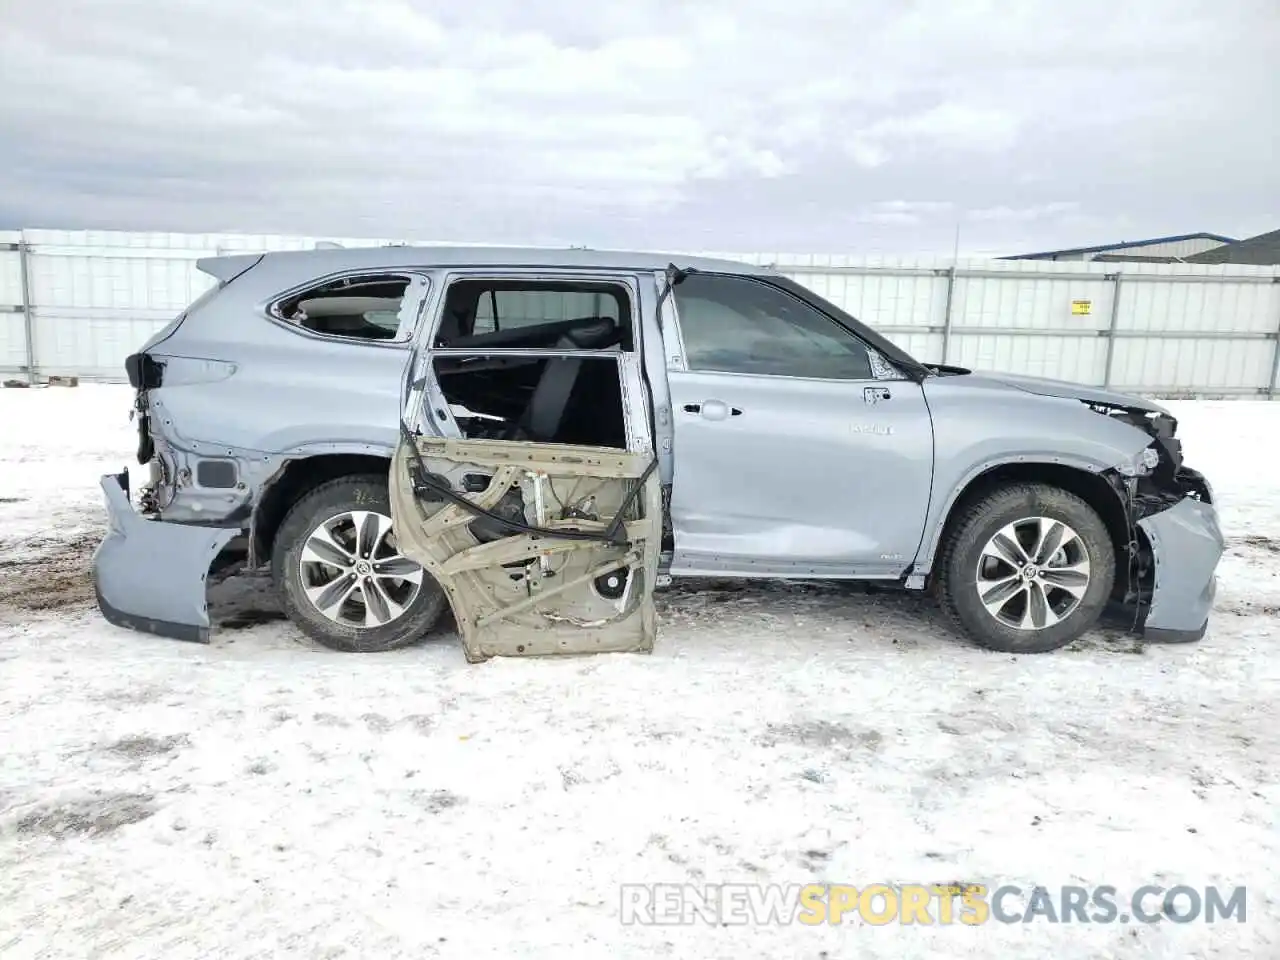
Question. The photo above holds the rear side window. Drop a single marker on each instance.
(535, 314)
(512, 309)
(356, 307)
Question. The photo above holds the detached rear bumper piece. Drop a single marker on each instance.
(1186, 543)
(150, 575)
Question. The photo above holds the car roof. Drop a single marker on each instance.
(332, 260)
(271, 273)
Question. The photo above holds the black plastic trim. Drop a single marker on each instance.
(1157, 635)
(144, 373)
(160, 628)
(217, 474)
(1131, 619)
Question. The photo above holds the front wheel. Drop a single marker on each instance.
(341, 577)
(1027, 569)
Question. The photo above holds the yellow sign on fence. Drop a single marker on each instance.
(1081, 308)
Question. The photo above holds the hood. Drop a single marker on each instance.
(1065, 389)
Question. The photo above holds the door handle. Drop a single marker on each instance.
(712, 409)
(875, 394)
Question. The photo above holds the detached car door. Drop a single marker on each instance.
(542, 546)
(799, 450)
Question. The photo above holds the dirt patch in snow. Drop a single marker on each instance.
(1264, 543)
(140, 748)
(436, 801)
(1249, 608)
(88, 816)
(126, 696)
(820, 733)
(252, 617)
(48, 574)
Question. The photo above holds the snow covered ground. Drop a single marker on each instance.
(263, 797)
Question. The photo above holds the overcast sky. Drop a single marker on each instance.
(735, 125)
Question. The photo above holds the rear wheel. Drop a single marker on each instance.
(1027, 569)
(342, 578)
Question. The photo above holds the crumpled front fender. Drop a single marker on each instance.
(150, 575)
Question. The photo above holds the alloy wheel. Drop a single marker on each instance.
(1033, 573)
(353, 572)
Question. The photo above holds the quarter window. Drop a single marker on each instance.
(739, 325)
(357, 307)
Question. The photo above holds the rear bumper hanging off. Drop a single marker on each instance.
(150, 575)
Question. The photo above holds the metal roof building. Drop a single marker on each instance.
(1262, 250)
(1157, 249)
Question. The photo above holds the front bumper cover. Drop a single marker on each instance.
(1186, 545)
(150, 575)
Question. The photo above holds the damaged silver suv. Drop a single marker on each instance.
(537, 438)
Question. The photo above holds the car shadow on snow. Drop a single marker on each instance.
(801, 608)
(41, 577)
(694, 613)
(244, 608)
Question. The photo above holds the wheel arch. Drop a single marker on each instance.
(1092, 486)
(295, 480)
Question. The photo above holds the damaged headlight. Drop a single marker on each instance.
(1141, 465)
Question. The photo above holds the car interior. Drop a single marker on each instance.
(365, 308)
(535, 395)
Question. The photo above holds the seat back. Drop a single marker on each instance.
(544, 415)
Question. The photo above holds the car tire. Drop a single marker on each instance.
(1004, 594)
(319, 565)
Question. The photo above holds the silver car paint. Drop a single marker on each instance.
(1186, 541)
(808, 478)
(1044, 387)
(275, 393)
(653, 352)
(982, 423)
(241, 385)
(150, 575)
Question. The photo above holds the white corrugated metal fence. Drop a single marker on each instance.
(77, 303)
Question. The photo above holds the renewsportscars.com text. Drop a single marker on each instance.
(924, 904)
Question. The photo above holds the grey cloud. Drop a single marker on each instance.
(725, 124)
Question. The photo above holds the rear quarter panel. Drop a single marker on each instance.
(278, 392)
(272, 388)
(240, 385)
